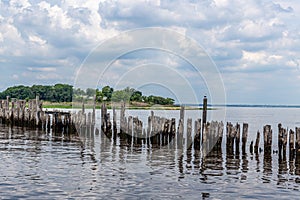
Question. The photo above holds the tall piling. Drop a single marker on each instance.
(291, 144)
(244, 137)
(267, 139)
(256, 146)
(204, 110)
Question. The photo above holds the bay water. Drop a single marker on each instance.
(37, 165)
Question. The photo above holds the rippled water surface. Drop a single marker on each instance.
(35, 165)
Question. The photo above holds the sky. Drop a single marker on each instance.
(253, 46)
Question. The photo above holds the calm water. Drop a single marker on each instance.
(41, 166)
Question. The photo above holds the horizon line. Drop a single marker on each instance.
(245, 105)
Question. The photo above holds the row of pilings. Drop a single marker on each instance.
(160, 131)
(31, 115)
(206, 136)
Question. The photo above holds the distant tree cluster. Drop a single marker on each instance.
(55, 93)
(130, 94)
(65, 93)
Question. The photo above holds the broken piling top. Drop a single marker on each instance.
(204, 110)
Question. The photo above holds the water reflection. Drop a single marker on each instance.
(96, 165)
(229, 166)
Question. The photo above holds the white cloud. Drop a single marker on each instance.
(37, 40)
(293, 64)
(44, 69)
(54, 37)
(221, 3)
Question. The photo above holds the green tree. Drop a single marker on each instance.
(19, 92)
(107, 93)
(120, 95)
(99, 95)
(63, 92)
(136, 96)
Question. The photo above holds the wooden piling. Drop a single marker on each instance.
(122, 118)
(267, 139)
(197, 134)
(284, 142)
(237, 138)
(189, 130)
(129, 128)
(205, 138)
(181, 116)
(256, 146)
(251, 147)
(244, 137)
(204, 110)
(94, 111)
(280, 139)
(291, 144)
(228, 139)
(173, 128)
(220, 135)
(114, 123)
(103, 113)
(297, 142)
(180, 134)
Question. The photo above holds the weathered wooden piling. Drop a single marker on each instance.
(114, 123)
(181, 115)
(282, 140)
(189, 130)
(94, 111)
(220, 135)
(297, 142)
(127, 136)
(122, 118)
(229, 140)
(108, 124)
(103, 113)
(237, 138)
(204, 110)
(205, 138)
(244, 137)
(291, 144)
(256, 146)
(173, 129)
(180, 134)
(267, 139)
(197, 134)
(251, 147)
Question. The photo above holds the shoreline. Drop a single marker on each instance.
(70, 105)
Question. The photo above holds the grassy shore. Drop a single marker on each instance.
(130, 106)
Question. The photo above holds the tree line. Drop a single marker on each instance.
(66, 93)
(107, 94)
(53, 93)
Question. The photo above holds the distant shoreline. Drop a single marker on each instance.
(89, 105)
(68, 105)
